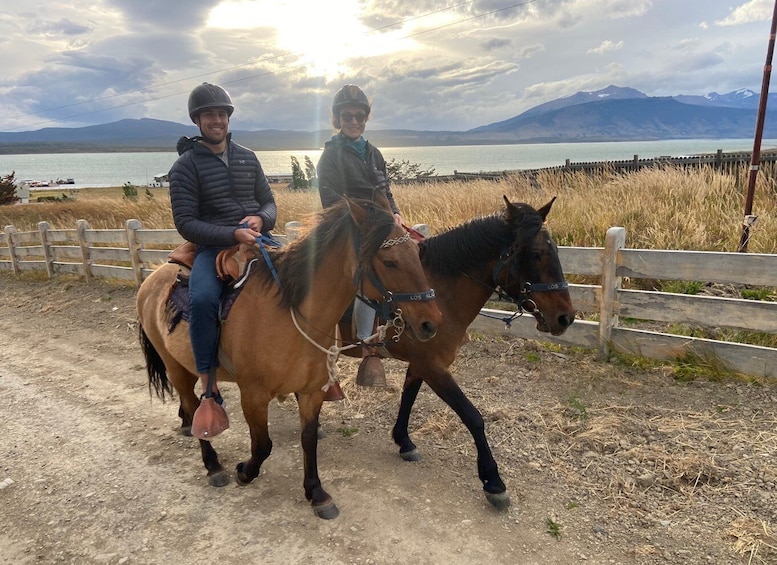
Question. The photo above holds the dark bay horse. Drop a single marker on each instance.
(510, 253)
(276, 338)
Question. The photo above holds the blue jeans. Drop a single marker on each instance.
(205, 289)
(365, 319)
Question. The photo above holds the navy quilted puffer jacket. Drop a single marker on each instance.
(209, 199)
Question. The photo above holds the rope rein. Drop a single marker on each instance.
(334, 351)
(395, 319)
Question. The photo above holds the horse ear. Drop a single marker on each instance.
(358, 212)
(545, 209)
(511, 211)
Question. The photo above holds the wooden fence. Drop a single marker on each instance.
(132, 253)
(719, 160)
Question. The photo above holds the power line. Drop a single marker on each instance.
(258, 75)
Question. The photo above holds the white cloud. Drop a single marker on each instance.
(752, 11)
(605, 47)
(428, 64)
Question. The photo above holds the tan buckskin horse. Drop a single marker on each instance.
(510, 253)
(354, 244)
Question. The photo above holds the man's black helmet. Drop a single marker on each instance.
(350, 95)
(209, 95)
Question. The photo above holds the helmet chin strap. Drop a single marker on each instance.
(206, 139)
(210, 141)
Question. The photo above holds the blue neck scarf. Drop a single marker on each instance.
(359, 145)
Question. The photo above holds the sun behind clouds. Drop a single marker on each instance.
(324, 34)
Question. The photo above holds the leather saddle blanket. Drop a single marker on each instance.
(232, 266)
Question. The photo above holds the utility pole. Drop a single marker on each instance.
(750, 219)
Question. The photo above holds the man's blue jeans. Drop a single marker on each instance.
(204, 302)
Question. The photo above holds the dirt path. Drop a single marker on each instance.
(622, 465)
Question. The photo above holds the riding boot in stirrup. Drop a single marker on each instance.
(371, 371)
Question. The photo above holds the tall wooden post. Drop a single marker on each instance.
(749, 219)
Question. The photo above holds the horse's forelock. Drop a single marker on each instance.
(381, 223)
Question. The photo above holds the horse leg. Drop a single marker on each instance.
(319, 429)
(407, 449)
(442, 383)
(309, 410)
(255, 409)
(184, 383)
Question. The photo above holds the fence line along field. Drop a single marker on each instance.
(709, 305)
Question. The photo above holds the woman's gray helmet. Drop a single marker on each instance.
(209, 95)
(349, 95)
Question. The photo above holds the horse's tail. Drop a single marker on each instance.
(157, 374)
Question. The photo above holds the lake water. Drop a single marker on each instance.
(115, 169)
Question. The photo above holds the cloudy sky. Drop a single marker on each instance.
(426, 64)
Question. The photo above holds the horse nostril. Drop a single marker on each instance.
(566, 321)
(429, 329)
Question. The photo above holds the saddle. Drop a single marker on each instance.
(232, 266)
(231, 263)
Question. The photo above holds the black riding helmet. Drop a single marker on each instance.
(209, 95)
(349, 95)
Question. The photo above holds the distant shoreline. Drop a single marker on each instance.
(375, 138)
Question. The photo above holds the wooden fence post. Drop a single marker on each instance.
(134, 250)
(48, 257)
(614, 241)
(86, 259)
(9, 232)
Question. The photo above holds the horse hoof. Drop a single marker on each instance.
(241, 478)
(412, 455)
(327, 510)
(499, 500)
(219, 479)
(186, 431)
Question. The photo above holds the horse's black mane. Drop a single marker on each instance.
(470, 245)
(332, 228)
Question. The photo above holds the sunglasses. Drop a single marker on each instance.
(347, 117)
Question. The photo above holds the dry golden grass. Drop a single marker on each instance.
(699, 209)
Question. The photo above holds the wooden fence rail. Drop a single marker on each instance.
(133, 252)
(720, 160)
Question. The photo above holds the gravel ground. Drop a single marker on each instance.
(604, 462)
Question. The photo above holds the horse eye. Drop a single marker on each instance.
(390, 264)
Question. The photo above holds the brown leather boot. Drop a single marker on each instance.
(371, 371)
(334, 393)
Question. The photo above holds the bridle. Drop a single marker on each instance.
(387, 307)
(522, 299)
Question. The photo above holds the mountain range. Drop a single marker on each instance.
(610, 114)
